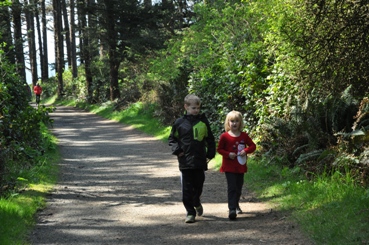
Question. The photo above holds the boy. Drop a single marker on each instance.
(193, 143)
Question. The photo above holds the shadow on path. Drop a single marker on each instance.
(120, 186)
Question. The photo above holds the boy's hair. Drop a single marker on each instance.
(191, 98)
(231, 116)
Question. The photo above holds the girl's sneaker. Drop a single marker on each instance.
(190, 219)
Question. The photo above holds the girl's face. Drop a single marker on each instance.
(234, 124)
(192, 109)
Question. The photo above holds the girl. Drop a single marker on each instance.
(232, 146)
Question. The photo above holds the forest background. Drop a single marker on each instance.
(297, 70)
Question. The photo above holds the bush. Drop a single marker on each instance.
(20, 138)
(322, 136)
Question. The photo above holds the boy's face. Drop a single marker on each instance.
(192, 109)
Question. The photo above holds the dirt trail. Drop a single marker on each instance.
(120, 186)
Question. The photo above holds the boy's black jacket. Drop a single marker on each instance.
(191, 134)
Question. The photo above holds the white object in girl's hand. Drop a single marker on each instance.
(241, 159)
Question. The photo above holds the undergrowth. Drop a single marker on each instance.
(330, 209)
(19, 206)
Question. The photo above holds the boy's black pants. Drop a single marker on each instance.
(234, 189)
(192, 184)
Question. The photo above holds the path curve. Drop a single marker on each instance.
(120, 186)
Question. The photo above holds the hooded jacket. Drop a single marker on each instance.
(37, 90)
(191, 134)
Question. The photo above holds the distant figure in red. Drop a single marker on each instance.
(37, 90)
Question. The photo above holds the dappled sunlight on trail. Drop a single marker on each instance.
(120, 186)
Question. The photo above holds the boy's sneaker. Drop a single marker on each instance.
(238, 210)
(199, 210)
(190, 219)
(232, 214)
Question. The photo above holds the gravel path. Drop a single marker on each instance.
(120, 186)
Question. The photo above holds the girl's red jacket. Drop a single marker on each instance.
(228, 144)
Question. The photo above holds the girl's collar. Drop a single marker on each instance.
(234, 134)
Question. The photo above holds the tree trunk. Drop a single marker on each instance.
(114, 62)
(86, 47)
(114, 66)
(6, 34)
(73, 40)
(148, 3)
(66, 31)
(38, 27)
(44, 58)
(28, 10)
(59, 59)
(81, 25)
(18, 40)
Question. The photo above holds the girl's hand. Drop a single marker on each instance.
(232, 155)
(242, 153)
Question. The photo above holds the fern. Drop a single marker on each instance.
(309, 156)
(362, 116)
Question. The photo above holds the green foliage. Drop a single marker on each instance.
(321, 45)
(257, 57)
(321, 135)
(219, 58)
(75, 87)
(230, 68)
(327, 197)
(18, 209)
(13, 214)
(330, 208)
(20, 138)
(299, 131)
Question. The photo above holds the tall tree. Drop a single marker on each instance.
(81, 12)
(129, 28)
(39, 35)
(59, 54)
(72, 37)
(31, 38)
(66, 31)
(83, 6)
(110, 15)
(44, 58)
(18, 39)
(5, 33)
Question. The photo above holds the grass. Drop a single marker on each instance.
(18, 209)
(331, 210)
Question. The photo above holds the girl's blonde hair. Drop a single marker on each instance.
(232, 116)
